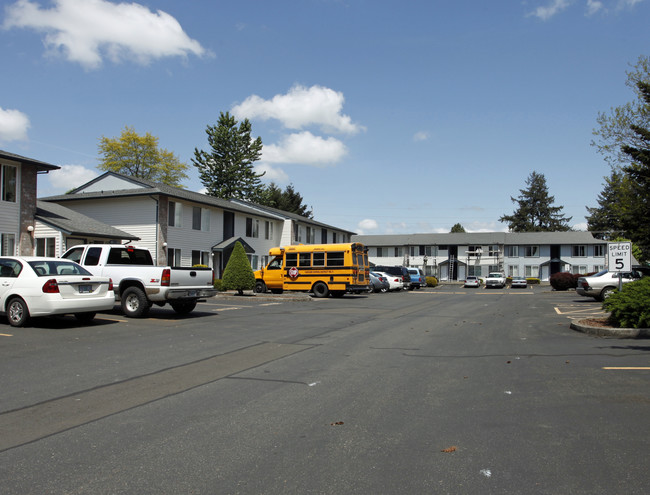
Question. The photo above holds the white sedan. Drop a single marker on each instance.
(37, 286)
(395, 282)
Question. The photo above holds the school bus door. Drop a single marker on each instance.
(274, 273)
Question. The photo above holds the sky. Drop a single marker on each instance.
(388, 117)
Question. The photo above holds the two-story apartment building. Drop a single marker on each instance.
(455, 256)
(18, 181)
(184, 228)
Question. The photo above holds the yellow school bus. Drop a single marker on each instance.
(321, 269)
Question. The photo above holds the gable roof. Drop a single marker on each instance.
(41, 166)
(479, 238)
(73, 223)
(132, 186)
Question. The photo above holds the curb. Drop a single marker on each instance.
(610, 332)
(295, 296)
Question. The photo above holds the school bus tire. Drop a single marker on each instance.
(260, 287)
(320, 289)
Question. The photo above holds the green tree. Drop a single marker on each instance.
(457, 229)
(288, 200)
(139, 156)
(535, 211)
(612, 216)
(227, 169)
(238, 274)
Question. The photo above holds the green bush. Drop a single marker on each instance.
(630, 308)
(238, 274)
(431, 281)
(533, 281)
(563, 281)
(217, 284)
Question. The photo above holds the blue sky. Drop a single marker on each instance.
(388, 117)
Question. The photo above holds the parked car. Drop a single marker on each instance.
(519, 282)
(601, 285)
(395, 282)
(417, 278)
(400, 271)
(495, 279)
(472, 281)
(38, 286)
(378, 283)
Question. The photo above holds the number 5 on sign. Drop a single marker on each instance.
(619, 256)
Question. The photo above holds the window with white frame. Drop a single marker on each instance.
(413, 251)
(493, 250)
(175, 214)
(513, 270)
(598, 268)
(531, 271)
(264, 260)
(474, 251)
(200, 218)
(531, 252)
(333, 237)
(253, 259)
(311, 235)
(382, 252)
(399, 252)
(252, 227)
(579, 269)
(7, 244)
(599, 250)
(493, 268)
(8, 180)
(46, 246)
(474, 270)
(512, 252)
(200, 258)
(268, 230)
(430, 250)
(174, 256)
(579, 251)
(298, 234)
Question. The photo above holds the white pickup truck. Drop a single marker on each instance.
(139, 283)
(495, 279)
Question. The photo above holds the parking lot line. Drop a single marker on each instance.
(626, 367)
(6, 335)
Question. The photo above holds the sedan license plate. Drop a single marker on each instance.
(85, 289)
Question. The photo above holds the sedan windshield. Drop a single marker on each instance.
(47, 268)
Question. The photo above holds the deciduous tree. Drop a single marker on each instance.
(139, 156)
(535, 211)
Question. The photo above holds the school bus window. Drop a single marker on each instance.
(276, 264)
(319, 259)
(335, 258)
(305, 259)
(292, 259)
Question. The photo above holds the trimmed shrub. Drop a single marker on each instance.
(630, 308)
(534, 281)
(217, 284)
(563, 281)
(431, 281)
(238, 274)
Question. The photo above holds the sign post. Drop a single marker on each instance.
(619, 259)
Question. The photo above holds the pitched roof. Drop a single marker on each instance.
(74, 223)
(31, 161)
(478, 238)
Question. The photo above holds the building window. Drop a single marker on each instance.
(381, 252)
(399, 252)
(493, 250)
(268, 230)
(512, 251)
(474, 251)
(599, 250)
(333, 237)
(200, 218)
(430, 250)
(200, 258)
(252, 227)
(493, 268)
(174, 256)
(253, 259)
(579, 252)
(531, 271)
(531, 252)
(45, 246)
(473, 270)
(7, 244)
(297, 234)
(175, 214)
(598, 268)
(311, 235)
(9, 175)
(513, 270)
(579, 269)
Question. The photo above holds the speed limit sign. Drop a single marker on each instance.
(619, 256)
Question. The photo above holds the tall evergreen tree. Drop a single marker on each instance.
(227, 169)
(457, 229)
(611, 218)
(535, 211)
(288, 200)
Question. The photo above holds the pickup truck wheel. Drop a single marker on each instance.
(260, 287)
(86, 317)
(134, 303)
(183, 308)
(320, 290)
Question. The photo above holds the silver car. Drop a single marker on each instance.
(601, 285)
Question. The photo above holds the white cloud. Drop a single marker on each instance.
(421, 136)
(304, 148)
(594, 6)
(85, 31)
(580, 226)
(70, 176)
(299, 108)
(367, 225)
(555, 7)
(13, 125)
(272, 174)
